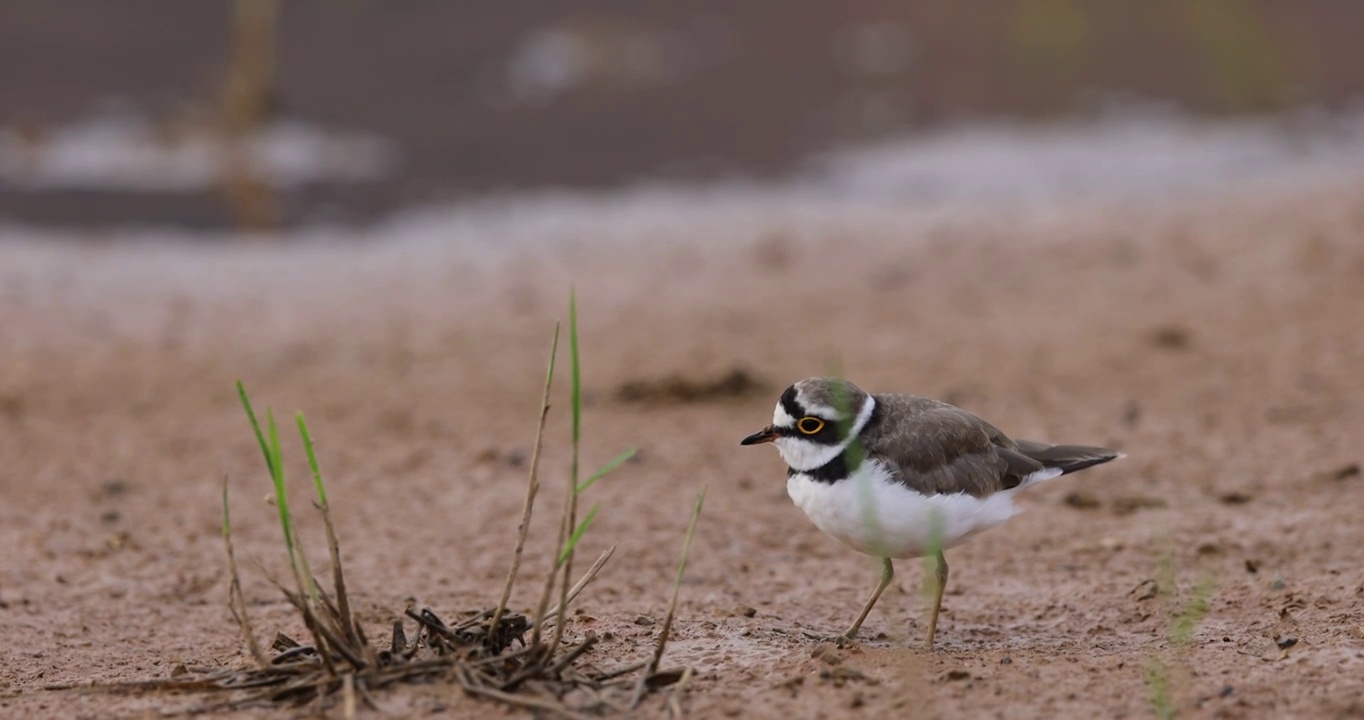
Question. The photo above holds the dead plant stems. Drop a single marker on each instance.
(532, 487)
(672, 604)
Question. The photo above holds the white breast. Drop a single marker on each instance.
(878, 516)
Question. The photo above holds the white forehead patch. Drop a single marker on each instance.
(781, 418)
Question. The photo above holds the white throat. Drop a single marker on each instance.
(803, 455)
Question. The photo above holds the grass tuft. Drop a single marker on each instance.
(485, 653)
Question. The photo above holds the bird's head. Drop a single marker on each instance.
(815, 420)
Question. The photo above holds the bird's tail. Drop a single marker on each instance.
(1066, 458)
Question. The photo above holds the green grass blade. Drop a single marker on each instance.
(227, 517)
(274, 459)
(936, 525)
(615, 462)
(277, 475)
(255, 426)
(578, 533)
(312, 458)
(843, 404)
(276, 454)
(686, 542)
(577, 368)
(1187, 622)
(553, 355)
(1158, 688)
(854, 454)
(569, 540)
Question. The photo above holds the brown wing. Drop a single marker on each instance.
(936, 448)
(1066, 458)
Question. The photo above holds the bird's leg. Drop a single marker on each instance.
(937, 600)
(887, 573)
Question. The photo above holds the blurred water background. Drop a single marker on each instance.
(216, 115)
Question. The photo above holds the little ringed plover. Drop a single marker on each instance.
(902, 476)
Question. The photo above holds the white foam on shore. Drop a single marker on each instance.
(999, 170)
(124, 151)
(1120, 157)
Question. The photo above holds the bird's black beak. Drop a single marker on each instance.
(766, 435)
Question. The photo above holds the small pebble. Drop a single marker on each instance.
(1171, 337)
(114, 488)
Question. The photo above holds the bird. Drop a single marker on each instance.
(900, 476)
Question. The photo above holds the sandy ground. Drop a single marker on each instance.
(1217, 342)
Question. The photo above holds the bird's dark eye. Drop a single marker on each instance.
(810, 425)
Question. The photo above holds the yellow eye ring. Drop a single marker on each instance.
(810, 425)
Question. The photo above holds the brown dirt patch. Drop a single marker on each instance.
(736, 384)
(420, 374)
